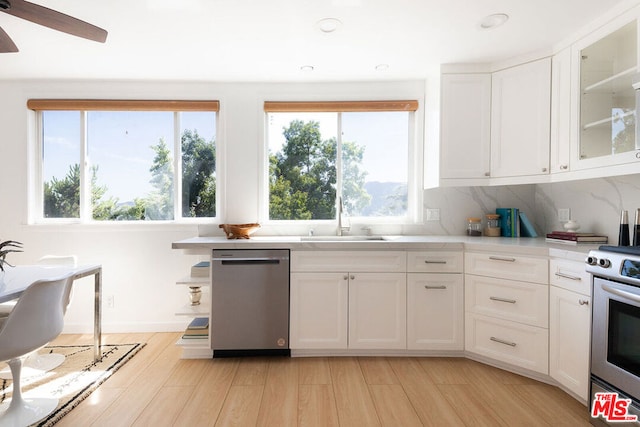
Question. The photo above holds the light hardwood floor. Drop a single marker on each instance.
(157, 388)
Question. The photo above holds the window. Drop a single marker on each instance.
(356, 152)
(116, 160)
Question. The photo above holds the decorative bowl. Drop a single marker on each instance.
(239, 231)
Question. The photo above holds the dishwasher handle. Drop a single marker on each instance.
(247, 261)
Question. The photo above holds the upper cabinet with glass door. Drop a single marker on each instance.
(606, 110)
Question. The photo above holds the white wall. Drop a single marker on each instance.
(140, 268)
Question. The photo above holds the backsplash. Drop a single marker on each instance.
(594, 203)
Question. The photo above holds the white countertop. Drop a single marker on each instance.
(522, 246)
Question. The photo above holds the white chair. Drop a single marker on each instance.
(37, 363)
(37, 318)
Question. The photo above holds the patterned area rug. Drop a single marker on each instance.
(72, 381)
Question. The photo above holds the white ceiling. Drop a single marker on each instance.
(269, 40)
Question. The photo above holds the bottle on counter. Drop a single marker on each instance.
(474, 226)
(493, 225)
(623, 236)
(636, 229)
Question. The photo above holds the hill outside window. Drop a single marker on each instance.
(112, 160)
(360, 152)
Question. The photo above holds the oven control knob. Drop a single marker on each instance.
(592, 260)
(604, 263)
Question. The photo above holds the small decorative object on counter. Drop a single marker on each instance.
(474, 226)
(571, 225)
(623, 236)
(195, 293)
(493, 225)
(239, 231)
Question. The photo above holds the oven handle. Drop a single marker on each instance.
(621, 293)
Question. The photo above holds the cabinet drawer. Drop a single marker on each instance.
(435, 262)
(521, 302)
(570, 275)
(526, 269)
(520, 345)
(349, 261)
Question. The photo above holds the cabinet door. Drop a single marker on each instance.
(561, 111)
(520, 120)
(377, 310)
(318, 310)
(465, 125)
(435, 311)
(569, 332)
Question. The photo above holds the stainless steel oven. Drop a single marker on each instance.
(615, 332)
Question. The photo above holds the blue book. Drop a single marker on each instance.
(509, 222)
(527, 229)
(199, 323)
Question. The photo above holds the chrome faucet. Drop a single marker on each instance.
(341, 229)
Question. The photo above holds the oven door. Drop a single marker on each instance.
(615, 343)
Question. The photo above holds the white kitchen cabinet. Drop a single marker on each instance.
(569, 338)
(560, 144)
(570, 326)
(377, 310)
(506, 309)
(465, 126)
(319, 310)
(435, 311)
(348, 300)
(605, 64)
(520, 120)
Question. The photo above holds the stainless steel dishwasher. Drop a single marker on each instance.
(250, 302)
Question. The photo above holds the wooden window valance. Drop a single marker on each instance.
(120, 105)
(338, 106)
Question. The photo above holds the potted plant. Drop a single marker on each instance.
(7, 247)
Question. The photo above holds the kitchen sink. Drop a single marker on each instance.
(342, 238)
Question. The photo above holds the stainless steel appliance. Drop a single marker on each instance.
(615, 333)
(250, 302)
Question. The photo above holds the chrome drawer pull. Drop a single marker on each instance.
(498, 340)
(499, 258)
(510, 301)
(426, 261)
(583, 302)
(435, 287)
(566, 276)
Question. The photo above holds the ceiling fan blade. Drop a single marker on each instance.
(6, 44)
(55, 20)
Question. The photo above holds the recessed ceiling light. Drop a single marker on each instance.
(493, 21)
(329, 25)
(382, 67)
(306, 68)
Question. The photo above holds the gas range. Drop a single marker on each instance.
(618, 263)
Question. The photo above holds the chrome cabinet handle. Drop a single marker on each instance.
(498, 340)
(566, 276)
(499, 258)
(544, 169)
(345, 277)
(435, 287)
(564, 167)
(426, 261)
(352, 277)
(510, 301)
(487, 174)
(583, 302)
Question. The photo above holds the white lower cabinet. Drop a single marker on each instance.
(515, 343)
(435, 311)
(507, 309)
(570, 326)
(377, 310)
(319, 307)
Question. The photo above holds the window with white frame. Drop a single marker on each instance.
(359, 153)
(127, 160)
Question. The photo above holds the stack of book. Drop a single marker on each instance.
(574, 238)
(200, 269)
(515, 223)
(197, 329)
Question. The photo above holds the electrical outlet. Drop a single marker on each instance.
(433, 214)
(564, 215)
(110, 301)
